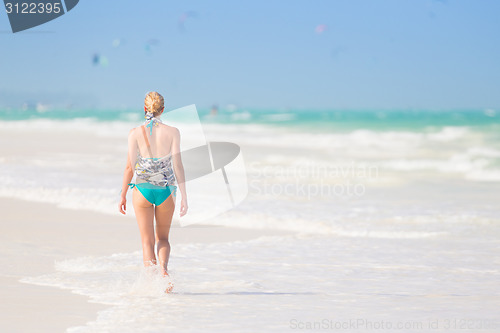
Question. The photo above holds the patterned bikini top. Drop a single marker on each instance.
(156, 171)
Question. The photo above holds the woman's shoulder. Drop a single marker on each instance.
(134, 130)
(170, 129)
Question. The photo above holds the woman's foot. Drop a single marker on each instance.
(170, 285)
(169, 288)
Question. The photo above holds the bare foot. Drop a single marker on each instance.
(170, 285)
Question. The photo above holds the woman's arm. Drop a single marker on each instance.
(128, 173)
(179, 170)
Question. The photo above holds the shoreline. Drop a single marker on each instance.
(33, 239)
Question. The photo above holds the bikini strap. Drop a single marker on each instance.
(147, 141)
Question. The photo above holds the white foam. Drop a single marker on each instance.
(448, 133)
(308, 225)
(483, 175)
(222, 287)
(483, 151)
(110, 129)
(87, 181)
(278, 117)
(85, 125)
(490, 112)
(359, 142)
(473, 164)
(254, 134)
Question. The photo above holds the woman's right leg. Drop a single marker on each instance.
(144, 213)
(163, 214)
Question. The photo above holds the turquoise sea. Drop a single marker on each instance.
(323, 120)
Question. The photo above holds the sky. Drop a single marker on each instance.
(283, 54)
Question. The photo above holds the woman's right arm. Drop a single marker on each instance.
(128, 173)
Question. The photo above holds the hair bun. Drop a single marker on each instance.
(154, 103)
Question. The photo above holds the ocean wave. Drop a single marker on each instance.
(366, 140)
(357, 143)
(474, 163)
(216, 285)
(114, 129)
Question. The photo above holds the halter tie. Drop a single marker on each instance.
(151, 121)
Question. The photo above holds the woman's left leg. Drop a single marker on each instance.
(144, 212)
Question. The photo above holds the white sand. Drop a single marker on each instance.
(50, 234)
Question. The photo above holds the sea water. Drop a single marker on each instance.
(393, 217)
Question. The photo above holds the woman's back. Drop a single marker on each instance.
(160, 140)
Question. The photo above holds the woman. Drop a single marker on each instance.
(154, 155)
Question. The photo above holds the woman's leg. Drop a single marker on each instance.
(144, 213)
(163, 214)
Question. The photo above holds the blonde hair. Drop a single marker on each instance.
(154, 103)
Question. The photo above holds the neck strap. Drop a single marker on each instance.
(147, 141)
(151, 121)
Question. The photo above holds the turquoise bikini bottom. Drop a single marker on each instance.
(155, 194)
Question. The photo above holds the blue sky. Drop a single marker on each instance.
(263, 54)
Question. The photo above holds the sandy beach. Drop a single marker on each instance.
(34, 235)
